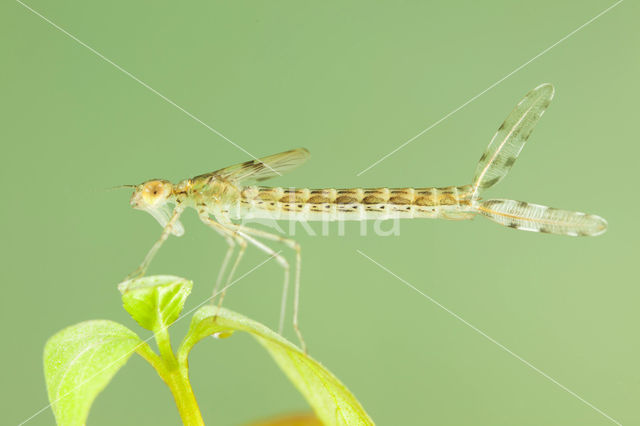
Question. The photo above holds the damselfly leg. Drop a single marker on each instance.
(168, 228)
(232, 238)
(292, 244)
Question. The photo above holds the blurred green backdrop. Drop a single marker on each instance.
(350, 81)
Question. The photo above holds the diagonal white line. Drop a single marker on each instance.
(119, 68)
(151, 337)
(490, 87)
(492, 340)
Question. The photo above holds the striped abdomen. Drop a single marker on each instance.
(355, 204)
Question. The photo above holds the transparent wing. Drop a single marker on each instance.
(264, 168)
(510, 138)
(537, 218)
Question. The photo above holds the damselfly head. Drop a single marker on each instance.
(152, 197)
(151, 194)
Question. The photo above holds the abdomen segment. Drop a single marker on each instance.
(355, 203)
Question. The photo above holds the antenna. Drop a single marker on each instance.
(120, 187)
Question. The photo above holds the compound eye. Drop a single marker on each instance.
(153, 191)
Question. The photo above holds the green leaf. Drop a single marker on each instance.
(329, 398)
(79, 362)
(155, 302)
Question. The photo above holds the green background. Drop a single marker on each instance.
(350, 81)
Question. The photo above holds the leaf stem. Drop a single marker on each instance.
(152, 358)
(176, 376)
(164, 345)
(178, 382)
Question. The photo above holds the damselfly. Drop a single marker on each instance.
(224, 197)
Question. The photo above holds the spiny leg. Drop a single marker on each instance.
(243, 247)
(232, 239)
(154, 249)
(285, 265)
(231, 245)
(223, 267)
(296, 299)
(243, 231)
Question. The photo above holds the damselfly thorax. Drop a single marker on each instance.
(224, 197)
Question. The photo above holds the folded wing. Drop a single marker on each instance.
(263, 168)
